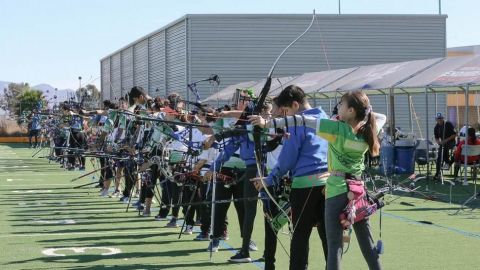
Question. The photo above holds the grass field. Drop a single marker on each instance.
(41, 211)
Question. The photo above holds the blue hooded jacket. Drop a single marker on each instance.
(247, 151)
(303, 153)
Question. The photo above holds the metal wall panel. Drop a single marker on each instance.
(127, 70)
(105, 79)
(116, 78)
(156, 51)
(140, 52)
(243, 47)
(176, 59)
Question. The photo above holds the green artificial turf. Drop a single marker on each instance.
(418, 233)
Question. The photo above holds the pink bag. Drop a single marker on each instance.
(360, 204)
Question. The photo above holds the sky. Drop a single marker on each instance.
(56, 41)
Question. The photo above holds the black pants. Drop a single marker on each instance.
(166, 199)
(77, 140)
(33, 133)
(249, 206)
(106, 172)
(129, 175)
(59, 142)
(199, 195)
(308, 210)
(148, 187)
(221, 209)
(270, 210)
(443, 156)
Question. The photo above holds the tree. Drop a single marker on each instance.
(12, 93)
(89, 95)
(29, 100)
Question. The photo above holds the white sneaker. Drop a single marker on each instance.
(188, 230)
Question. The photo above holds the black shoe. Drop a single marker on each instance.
(240, 257)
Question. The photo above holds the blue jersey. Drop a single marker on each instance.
(36, 125)
(76, 122)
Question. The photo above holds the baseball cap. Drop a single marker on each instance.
(439, 115)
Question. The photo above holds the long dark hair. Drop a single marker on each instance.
(472, 137)
(359, 101)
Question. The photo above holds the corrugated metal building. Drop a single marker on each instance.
(241, 47)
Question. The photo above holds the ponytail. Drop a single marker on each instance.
(369, 132)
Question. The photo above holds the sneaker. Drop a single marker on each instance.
(104, 193)
(188, 230)
(136, 204)
(172, 223)
(213, 246)
(202, 236)
(465, 183)
(160, 218)
(252, 246)
(71, 168)
(146, 214)
(446, 167)
(198, 223)
(240, 257)
(81, 169)
(114, 194)
(124, 199)
(140, 207)
(225, 236)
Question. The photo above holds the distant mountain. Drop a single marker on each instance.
(48, 91)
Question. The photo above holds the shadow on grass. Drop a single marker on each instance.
(83, 259)
(107, 237)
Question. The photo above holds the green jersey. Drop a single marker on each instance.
(346, 152)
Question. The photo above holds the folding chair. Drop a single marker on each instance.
(470, 151)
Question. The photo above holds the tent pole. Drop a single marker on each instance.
(465, 118)
(330, 104)
(392, 115)
(427, 138)
(458, 115)
(474, 196)
(410, 112)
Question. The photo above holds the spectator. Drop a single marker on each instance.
(445, 135)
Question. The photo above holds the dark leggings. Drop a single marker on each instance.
(221, 209)
(33, 133)
(77, 140)
(249, 206)
(334, 229)
(148, 187)
(270, 210)
(129, 175)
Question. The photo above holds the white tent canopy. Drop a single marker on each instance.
(436, 75)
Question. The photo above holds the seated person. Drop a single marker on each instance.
(471, 139)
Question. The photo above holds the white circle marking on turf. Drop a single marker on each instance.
(14, 179)
(32, 191)
(53, 251)
(63, 221)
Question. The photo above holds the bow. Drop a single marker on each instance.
(259, 155)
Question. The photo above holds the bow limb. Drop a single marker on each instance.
(260, 158)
